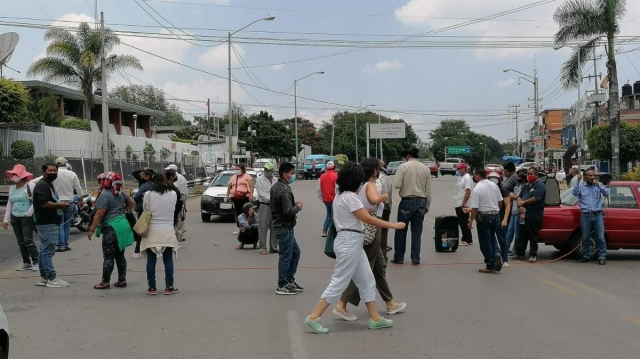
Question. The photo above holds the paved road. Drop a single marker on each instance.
(227, 307)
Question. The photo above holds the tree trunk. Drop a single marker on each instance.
(87, 110)
(614, 111)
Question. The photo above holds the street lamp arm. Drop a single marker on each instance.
(311, 74)
(268, 18)
(521, 73)
(526, 79)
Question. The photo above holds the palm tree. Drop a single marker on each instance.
(75, 59)
(590, 20)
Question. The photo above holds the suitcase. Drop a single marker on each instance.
(447, 235)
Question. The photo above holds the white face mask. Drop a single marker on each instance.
(15, 179)
(494, 180)
(239, 173)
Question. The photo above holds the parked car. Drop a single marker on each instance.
(4, 335)
(525, 165)
(212, 201)
(561, 221)
(433, 167)
(392, 167)
(449, 165)
(495, 168)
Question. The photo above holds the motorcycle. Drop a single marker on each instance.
(83, 216)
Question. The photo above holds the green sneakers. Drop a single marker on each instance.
(316, 326)
(381, 323)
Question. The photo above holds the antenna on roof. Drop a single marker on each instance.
(8, 43)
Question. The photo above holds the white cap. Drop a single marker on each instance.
(330, 165)
(493, 175)
(171, 167)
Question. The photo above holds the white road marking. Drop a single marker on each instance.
(298, 350)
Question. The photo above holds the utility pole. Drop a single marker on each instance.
(516, 112)
(295, 121)
(333, 133)
(106, 144)
(595, 78)
(208, 118)
(230, 134)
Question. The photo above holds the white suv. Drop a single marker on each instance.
(4, 335)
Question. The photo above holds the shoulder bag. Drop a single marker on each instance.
(144, 222)
(237, 195)
(369, 231)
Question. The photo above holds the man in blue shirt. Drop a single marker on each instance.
(589, 193)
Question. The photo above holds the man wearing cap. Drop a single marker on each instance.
(263, 187)
(327, 193)
(182, 185)
(68, 186)
(413, 179)
(464, 186)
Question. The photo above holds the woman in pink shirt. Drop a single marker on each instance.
(240, 191)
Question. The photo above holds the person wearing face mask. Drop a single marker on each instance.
(182, 185)
(513, 232)
(284, 211)
(145, 182)
(19, 212)
(263, 187)
(68, 186)
(240, 191)
(48, 211)
(589, 193)
(464, 186)
(530, 204)
(505, 213)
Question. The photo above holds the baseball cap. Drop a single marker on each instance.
(171, 167)
(493, 175)
(268, 166)
(61, 161)
(330, 165)
(460, 166)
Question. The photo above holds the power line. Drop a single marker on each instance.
(161, 24)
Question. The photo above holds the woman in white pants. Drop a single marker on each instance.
(351, 260)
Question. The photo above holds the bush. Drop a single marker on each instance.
(76, 124)
(165, 153)
(22, 149)
(128, 151)
(14, 102)
(633, 175)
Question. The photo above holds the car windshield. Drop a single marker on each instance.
(394, 165)
(222, 180)
(567, 198)
(259, 164)
(429, 163)
(316, 161)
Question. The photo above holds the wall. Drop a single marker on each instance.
(8, 137)
(553, 121)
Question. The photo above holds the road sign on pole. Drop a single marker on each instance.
(458, 150)
(387, 130)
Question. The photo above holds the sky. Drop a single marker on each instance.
(420, 60)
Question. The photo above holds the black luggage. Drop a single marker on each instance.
(447, 235)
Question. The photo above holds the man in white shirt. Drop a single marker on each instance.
(485, 203)
(66, 184)
(183, 187)
(263, 187)
(464, 186)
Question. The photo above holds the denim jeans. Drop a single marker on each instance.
(487, 231)
(65, 228)
(595, 225)
(23, 227)
(48, 234)
(289, 255)
(167, 259)
(329, 206)
(410, 211)
(513, 232)
(501, 235)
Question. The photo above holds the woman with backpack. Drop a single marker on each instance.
(19, 213)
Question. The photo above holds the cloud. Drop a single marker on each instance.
(501, 85)
(277, 67)
(383, 66)
(218, 57)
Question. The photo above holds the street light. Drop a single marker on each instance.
(268, 18)
(484, 154)
(536, 100)
(355, 126)
(295, 105)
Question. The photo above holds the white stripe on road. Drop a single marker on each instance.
(298, 350)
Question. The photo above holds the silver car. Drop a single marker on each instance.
(4, 335)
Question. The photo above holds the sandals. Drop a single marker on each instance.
(255, 246)
(240, 246)
(102, 285)
(120, 284)
(264, 252)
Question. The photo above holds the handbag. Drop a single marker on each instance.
(369, 231)
(237, 195)
(331, 237)
(144, 221)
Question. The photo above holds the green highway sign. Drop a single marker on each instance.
(458, 150)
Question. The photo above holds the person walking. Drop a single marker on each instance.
(248, 226)
(351, 260)
(513, 231)
(48, 212)
(161, 239)
(531, 206)
(327, 192)
(372, 202)
(265, 224)
(505, 214)
(384, 183)
(464, 186)
(111, 223)
(67, 186)
(413, 179)
(240, 191)
(183, 186)
(19, 213)
(284, 210)
(485, 203)
(172, 177)
(590, 192)
(145, 182)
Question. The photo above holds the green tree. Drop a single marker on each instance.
(581, 20)
(151, 97)
(45, 110)
(599, 140)
(273, 138)
(457, 133)
(74, 58)
(187, 133)
(307, 135)
(14, 101)
(149, 152)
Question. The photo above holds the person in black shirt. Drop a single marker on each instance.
(531, 204)
(48, 216)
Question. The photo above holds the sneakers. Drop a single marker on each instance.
(57, 283)
(324, 233)
(382, 323)
(486, 270)
(102, 285)
(42, 282)
(120, 284)
(136, 256)
(286, 289)
(152, 291)
(171, 290)
(533, 259)
(296, 287)
(24, 267)
(315, 325)
(399, 307)
(506, 265)
(235, 233)
(35, 267)
(344, 315)
(497, 258)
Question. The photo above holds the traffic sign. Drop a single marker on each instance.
(458, 150)
(387, 130)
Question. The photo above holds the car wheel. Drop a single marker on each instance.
(205, 217)
(576, 241)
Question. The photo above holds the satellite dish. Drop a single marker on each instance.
(8, 43)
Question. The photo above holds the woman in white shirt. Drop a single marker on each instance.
(161, 240)
(351, 260)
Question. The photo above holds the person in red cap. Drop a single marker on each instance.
(327, 192)
(464, 186)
